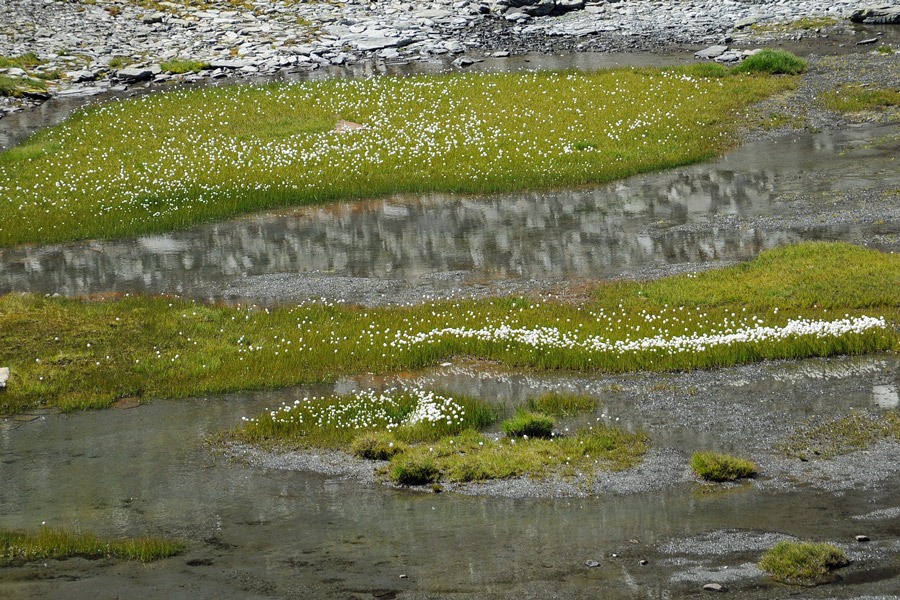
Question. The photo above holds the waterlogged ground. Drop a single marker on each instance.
(835, 185)
(273, 533)
(332, 530)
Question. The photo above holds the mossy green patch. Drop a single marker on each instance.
(714, 466)
(802, 562)
(57, 544)
(77, 354)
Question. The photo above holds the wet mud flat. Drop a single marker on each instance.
(264, 530)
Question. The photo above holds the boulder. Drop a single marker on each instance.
(711, 52)
(880, 15)
(132, 74)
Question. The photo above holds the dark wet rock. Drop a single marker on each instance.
(877, 15)
(862, 538)
(134, 74)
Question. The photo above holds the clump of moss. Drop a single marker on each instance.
(377, 446)
(414, 470)
(772, 62)
(802, 562)
(722, 467)
(529, 424)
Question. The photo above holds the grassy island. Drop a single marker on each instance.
(169, 161)
(817, 299)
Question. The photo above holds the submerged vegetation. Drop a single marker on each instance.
(58, 544)
(837, 436)
(713, 466)
(428, 437)
(807, 300)
(802, 562)
(167, 161)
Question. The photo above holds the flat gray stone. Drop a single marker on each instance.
(134, 74)
(711, 52)
(731, 56)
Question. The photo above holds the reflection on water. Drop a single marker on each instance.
(592, 232)
(145, 470)
(885, 396)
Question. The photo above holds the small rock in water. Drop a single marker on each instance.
(643, 562)
(404, 576)
(862, 538)
(714, 587)
(591, 564)
(868, 41)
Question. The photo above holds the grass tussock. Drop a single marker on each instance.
(794, 302)
(834, 437)
(58, 544)
(179, 66)
(529, 425)
(772, 62)
(169, 161)
(802, 562)
(28, 60)
(858, 98)
(713, 466)
(563, 405)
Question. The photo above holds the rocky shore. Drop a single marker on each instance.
(88, 47)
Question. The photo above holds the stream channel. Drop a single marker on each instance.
(272, 533)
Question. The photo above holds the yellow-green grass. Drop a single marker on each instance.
(23, 61)
(471, 456)
(17, 86)
(58, 544)
(76, 354)
(169, 161)
(772, 62)
(180, 65)
(429, 436)
(713, 466)
(339, 422)
(802, 562)
(842, 435)
(858, 98)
